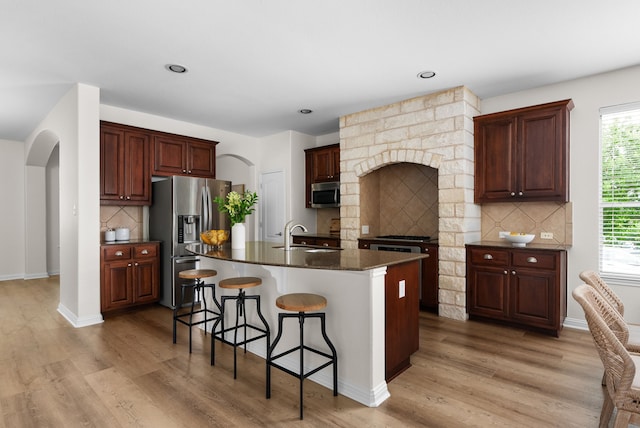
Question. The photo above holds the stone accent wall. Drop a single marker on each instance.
(435, 130)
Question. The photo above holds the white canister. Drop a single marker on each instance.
(122, 234)
(110, 235)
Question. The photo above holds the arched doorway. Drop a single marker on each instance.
(38, 212)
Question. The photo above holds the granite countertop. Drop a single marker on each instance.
(131, 241)
(529, 246)
(264, 253)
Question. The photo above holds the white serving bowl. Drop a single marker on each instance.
(519, 240)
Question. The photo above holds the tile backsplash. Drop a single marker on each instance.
(529, 217)
(117, 216)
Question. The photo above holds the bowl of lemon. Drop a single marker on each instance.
(519, 239)
(215, 237)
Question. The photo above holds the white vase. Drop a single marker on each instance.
(238, 236)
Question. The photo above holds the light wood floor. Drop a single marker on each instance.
(127, 373)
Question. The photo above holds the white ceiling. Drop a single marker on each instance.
(254, 63)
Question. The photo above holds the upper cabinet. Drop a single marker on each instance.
(322, 164)
(124, 166)
(176, 155)
(325, 163)
(523, 154)
(130, 156)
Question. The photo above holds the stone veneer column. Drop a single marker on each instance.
(434, 130)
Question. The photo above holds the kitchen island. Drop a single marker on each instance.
(372, 310)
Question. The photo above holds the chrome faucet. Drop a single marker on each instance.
(288, 230)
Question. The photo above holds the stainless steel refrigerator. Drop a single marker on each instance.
(182, 208)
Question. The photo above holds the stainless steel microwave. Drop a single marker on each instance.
(325, 195)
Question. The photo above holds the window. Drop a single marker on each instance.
(620, 191)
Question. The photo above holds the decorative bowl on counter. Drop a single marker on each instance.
(519, 239)
(215, 237)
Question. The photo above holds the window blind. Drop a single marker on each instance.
(620, 190)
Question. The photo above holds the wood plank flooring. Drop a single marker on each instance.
(127, 373)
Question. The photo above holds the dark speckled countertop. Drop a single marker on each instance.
(267, 253)
(529, 246)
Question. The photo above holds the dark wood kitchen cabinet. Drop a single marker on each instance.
(178, 155)
(523, 154)
(401, 317)
(322, 241)
(430, 275)
(130, 275)
(521, 286)
(125, 177)
(322, 164)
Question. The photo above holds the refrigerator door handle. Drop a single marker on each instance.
(205, 208)
(209, 209)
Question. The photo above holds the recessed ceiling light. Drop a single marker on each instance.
(305, 111)
(176, 68)
(426, 74)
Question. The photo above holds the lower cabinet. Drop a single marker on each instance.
(525, 287)
(317, 240)
(402, 336)
(130, 275)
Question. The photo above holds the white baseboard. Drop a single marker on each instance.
(11, 277)
(577, 323)
(77, 322)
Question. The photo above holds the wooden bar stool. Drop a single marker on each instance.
(302, 303)
(239, 283)
(198, 285)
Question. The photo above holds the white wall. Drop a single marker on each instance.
(12, 190)
(589, 95)
(52, 179)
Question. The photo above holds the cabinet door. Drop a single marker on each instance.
(111, 164)
(145, 280)
(495, 160)
(137, 176)
(487, 292)
(429, 291)
(534, 297)
(401, 317)
(169, 156)
(201, 159)
(323, 165)
(335, 154)
(542, 155)
(116, 285)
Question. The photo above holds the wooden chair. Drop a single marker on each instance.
(594, 280)
(622, 382)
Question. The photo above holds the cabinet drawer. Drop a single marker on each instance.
(142, 251)
(119, 252)
(328, 242)
(534, 260)
(488, 257)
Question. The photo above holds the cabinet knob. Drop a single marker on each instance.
(326, 244)
(513, 193)
(129, 265)
(520, 193)
(128, 198)
(189, 172)
(487, 257)
(303, 242)
(513, 272)
(532, 260)
(119, 253)
(137, 264)
(184, 171)
(121, 197)
(145, 252)
(506, 273)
